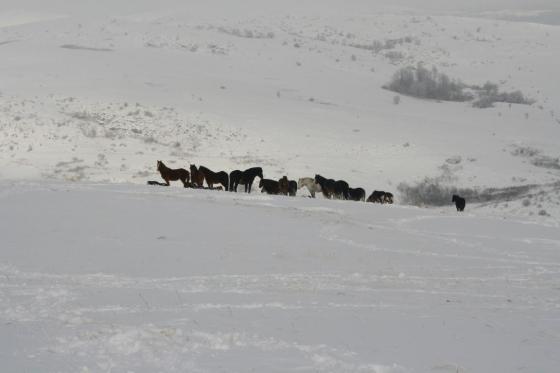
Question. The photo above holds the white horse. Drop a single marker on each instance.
(311, 185)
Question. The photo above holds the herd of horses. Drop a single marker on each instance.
(330, 188)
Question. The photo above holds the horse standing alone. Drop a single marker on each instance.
(460, 202)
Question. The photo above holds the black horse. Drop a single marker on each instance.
(269, 186)
(388, 198)
(234, 177)
(211, 177)
(292, 188)
(376, 196)
(341, 189)
(460, 202)
(327, 185)
(356, 194)
(245, 178)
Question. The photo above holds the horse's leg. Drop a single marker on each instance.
(166, 182)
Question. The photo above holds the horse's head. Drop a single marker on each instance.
(260, 173)
(317, 178)
(159, 165)
(193, 168)
(454, 198)
(261, 183)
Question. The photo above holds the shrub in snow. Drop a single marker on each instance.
(423, 83)
(489, 94)
(434, 192)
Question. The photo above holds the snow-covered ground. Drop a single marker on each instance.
(118, 278)
(99, 272)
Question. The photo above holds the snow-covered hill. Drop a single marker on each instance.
(105, 278)
(101, 93)
(101, 273)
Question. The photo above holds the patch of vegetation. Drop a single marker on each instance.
(431, 84)
(421, 82)
(489, 94)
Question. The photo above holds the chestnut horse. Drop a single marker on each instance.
(212, 177)
(169, 174)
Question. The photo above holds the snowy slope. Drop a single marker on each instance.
(143, 279)
(100, 92)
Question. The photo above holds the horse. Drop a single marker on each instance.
(376, 197)
(247, 178)
(169, 174)
(197, 177)
(311, 185)
(269, 186)
(341, 189)
(388, 198)
(459, 202)
(292, 188)
(356, 194)
(284, 185)
(234, 178)
(327, 185)
(212, 177)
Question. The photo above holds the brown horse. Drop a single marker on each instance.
(212, 177)
(197, 177)
(169, 174)
(284, 186)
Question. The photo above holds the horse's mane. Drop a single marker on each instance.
(205, 169)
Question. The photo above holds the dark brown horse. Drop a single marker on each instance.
(292, 190)
(197, 177)
(269, 186)
(284, 186)
(212, 177)
(169, 174)
(327, 185)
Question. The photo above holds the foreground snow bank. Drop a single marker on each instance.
(136, 278)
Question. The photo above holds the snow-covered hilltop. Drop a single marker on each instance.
(101, 273)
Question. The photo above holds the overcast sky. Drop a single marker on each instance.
(249, 7)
